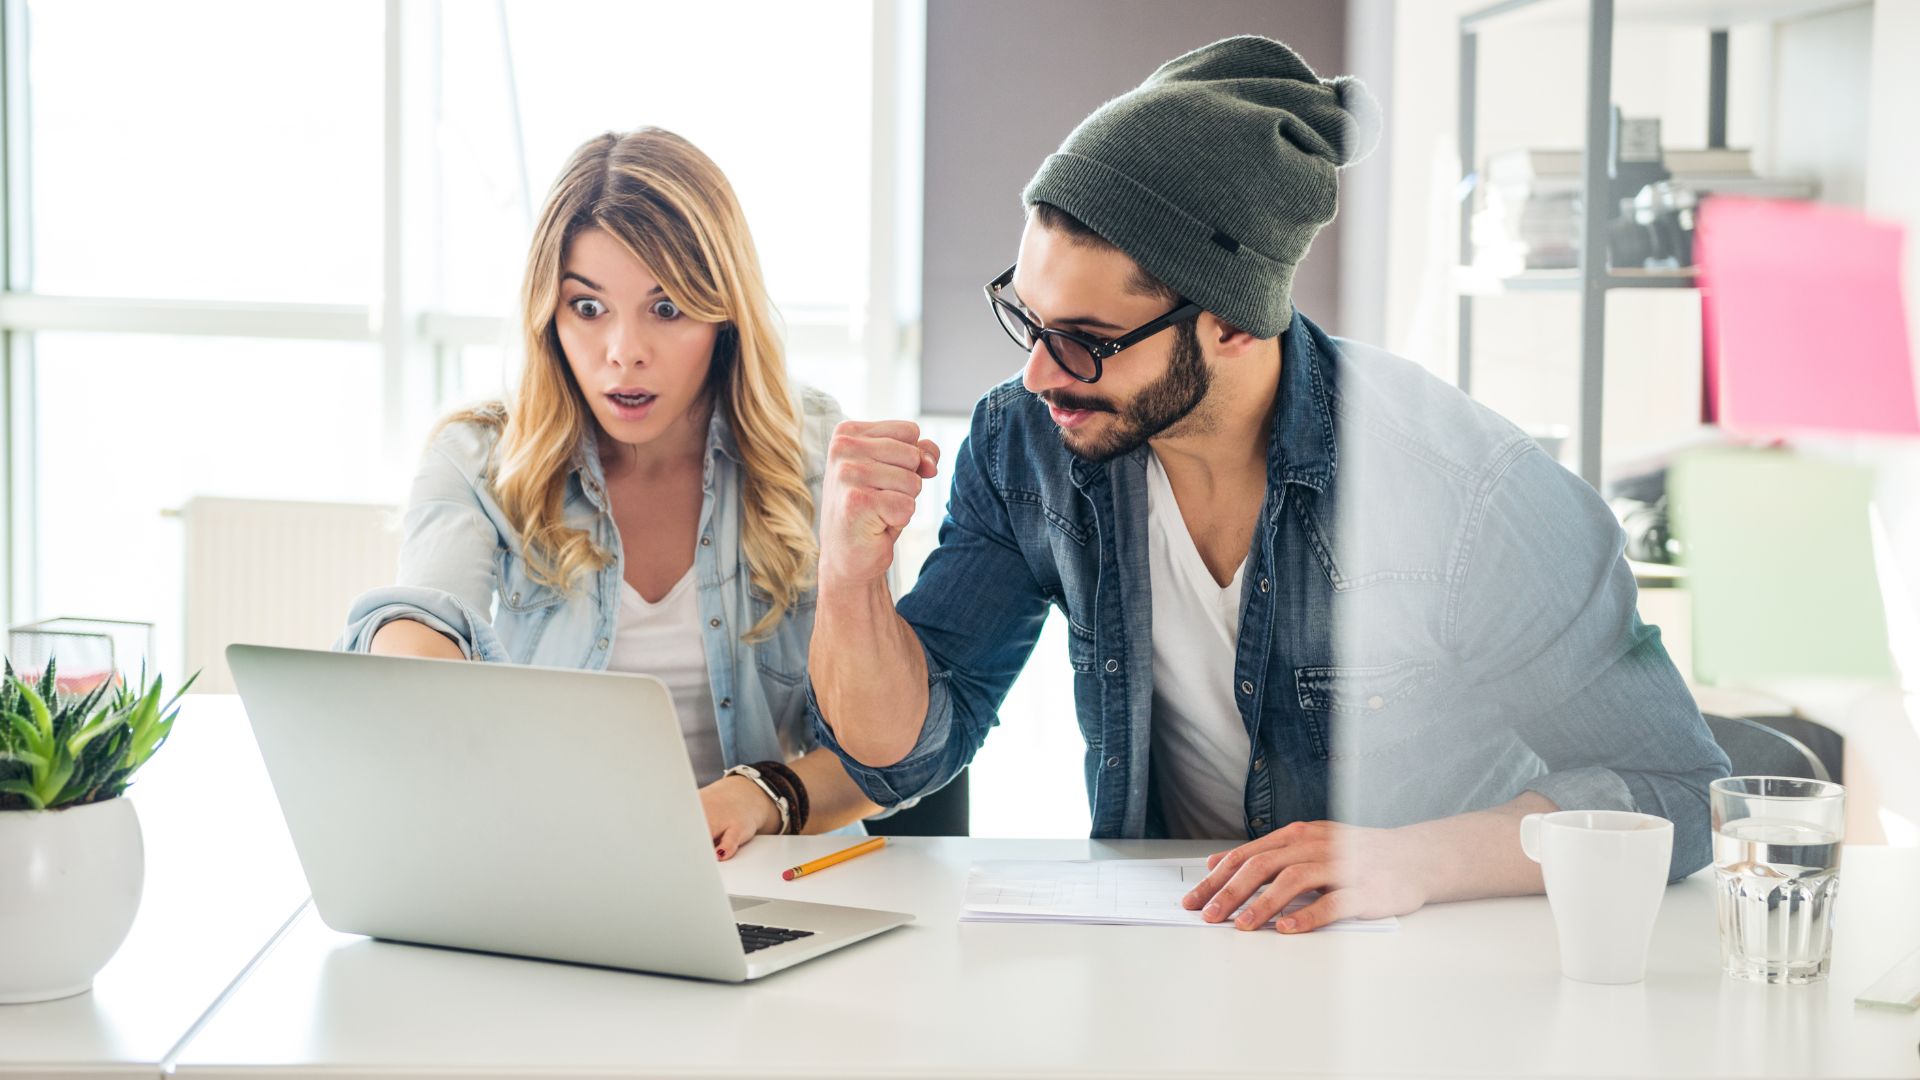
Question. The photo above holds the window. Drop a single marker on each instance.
(785, 116)
(243, 165)
(783, 111)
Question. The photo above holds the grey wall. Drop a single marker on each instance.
(1006, 81)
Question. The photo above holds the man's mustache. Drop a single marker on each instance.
(1068, 402)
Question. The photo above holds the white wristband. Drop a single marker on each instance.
(760, 782)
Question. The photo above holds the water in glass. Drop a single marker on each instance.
(1777, 879)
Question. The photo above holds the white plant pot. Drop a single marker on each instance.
(69, 887)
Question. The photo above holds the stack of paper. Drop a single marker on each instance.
(1127, 892)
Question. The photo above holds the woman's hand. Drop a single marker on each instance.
(737, 811)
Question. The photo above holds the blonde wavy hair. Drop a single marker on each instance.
(671, 207)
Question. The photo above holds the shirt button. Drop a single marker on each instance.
(1258, 823)
(514, 599)
(1376, 701)
(715, 623)
(1246, 686)
(1113, 763)
(726, 703)
(1263, 584)
(603, 643)
(1259, 763)
(1113, 665)
(706, 541)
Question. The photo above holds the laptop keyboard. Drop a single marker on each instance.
(753, 938)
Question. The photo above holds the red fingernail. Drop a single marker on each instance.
(722, 852)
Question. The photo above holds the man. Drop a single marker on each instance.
(1318, 601)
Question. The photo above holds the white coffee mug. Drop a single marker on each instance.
(1606, 871)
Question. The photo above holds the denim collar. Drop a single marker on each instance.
(1301, 450)
(720, 438)
(1301, 447)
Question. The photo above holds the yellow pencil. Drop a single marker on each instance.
(825, 861)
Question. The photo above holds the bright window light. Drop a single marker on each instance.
(206, 150)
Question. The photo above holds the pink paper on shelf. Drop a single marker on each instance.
(1804, 320)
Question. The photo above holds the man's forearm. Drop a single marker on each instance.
(869, 675)
(837, 800)
(1469, 856)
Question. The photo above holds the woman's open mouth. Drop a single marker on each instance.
(631, 404)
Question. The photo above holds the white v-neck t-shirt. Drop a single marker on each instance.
(1200, 744)
(663, 640)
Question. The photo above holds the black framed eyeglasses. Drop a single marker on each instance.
(1079, 355)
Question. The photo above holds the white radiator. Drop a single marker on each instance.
(277, 573)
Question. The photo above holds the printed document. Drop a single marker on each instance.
(1130, 892)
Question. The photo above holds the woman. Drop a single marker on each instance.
(647, 501)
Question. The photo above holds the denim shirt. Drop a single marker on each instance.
(463, 571)
(1436, 616)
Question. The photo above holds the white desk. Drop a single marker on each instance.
(221, 880)
(1463, 989)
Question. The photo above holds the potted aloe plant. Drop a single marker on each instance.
(71, 859)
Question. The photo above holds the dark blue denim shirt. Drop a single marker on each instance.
(1437, 616)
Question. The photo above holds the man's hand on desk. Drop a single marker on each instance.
(1364, 873)
(1361, 873)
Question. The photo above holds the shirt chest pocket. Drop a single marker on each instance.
(1363, 711)
(519, 592)
(526, 607)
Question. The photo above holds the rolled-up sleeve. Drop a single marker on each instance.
(1545, 616)
(977, 611)
(445, 578)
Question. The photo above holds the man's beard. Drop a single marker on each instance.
(1160, 405)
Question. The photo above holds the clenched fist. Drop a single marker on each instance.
(874, 473)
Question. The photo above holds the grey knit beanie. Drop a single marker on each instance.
(1215, 173)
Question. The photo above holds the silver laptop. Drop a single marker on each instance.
(528, 811)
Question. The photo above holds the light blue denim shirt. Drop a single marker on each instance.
(1436, 616)
(463, 571)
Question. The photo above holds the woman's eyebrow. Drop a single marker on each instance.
(657, 290)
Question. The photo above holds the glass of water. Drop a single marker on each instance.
(1776, 860)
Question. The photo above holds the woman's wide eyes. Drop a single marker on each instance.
(588, 308)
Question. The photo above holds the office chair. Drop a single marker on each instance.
(1758, 750)
(943, 813)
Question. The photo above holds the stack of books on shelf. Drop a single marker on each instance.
(1530, 216)
(1723, 171)
(1530, 219)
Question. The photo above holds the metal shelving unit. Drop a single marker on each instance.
(1592, 279)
